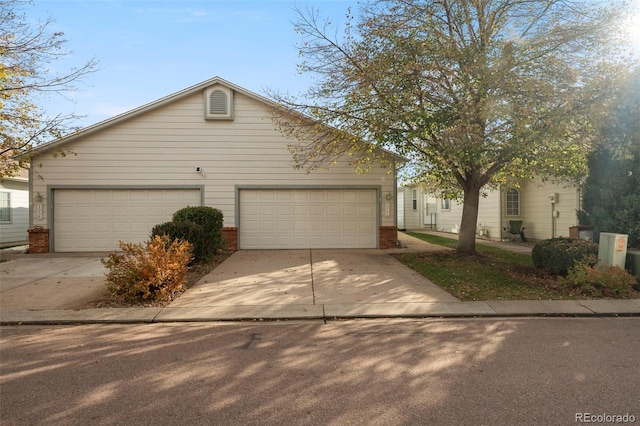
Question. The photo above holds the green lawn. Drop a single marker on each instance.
(495, 274)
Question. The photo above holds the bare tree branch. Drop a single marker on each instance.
(26, 51)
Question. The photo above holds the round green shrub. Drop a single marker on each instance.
(185, 231)
(211, 221)
(558, 255)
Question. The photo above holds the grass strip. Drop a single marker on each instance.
(496, 274)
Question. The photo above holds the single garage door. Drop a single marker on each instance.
(96, 219)
(307, 218)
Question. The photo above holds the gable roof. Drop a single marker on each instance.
(146, 108)
(156, 104)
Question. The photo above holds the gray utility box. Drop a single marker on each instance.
(633, 262)
(612, 249)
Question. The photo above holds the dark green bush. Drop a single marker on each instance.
(211, 221)
(185, 231)
(558, 255)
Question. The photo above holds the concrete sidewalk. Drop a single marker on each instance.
(296, 284)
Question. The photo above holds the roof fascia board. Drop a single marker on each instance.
(138, 111)
(166, 100)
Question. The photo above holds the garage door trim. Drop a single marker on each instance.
(377, 188)
(52, 188)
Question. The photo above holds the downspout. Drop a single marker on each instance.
(553, 221)
(579, 199)
(395, 193)
(500, 211)
(31, 204)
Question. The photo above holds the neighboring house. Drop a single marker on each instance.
(546, 210)
(14, 210)
(212, 144)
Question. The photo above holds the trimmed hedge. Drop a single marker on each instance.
(201, 226)
(185, 231)
(558, 255)
(209, 218)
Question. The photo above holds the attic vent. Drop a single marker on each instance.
(218, 102)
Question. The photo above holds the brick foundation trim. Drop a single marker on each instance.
(388, 237)
(230, 237)
(38, 240)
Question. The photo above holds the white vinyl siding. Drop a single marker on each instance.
(400, 211)
(163, 147)
(13, 227)
(96, 219)
(307, 218)
(533, 205)
(536, 210)
(488, 216)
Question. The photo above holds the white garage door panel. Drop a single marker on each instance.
(307, 218)
(96, 219)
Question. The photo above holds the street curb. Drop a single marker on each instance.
(328, 312)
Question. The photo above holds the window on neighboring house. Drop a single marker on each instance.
(414, 199)
(5, 206)
(513, 202)
(445, 204)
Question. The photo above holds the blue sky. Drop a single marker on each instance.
(150, 49)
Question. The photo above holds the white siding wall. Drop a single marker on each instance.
(411, 216)
(537, 213)
(449, 220)
(415, 219)
(488, 215)
(164, 146)
(16, 230)
(400, 212)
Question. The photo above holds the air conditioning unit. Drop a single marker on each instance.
(553, 198)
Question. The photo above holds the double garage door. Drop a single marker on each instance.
(96, 219)
(307, 218)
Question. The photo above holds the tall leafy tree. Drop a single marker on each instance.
(473, 92)
(26, 52)
(611, 197)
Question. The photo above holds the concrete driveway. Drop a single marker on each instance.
(268, 281)
(34, 282)
(311, 277)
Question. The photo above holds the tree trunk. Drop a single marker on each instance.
(467, 236)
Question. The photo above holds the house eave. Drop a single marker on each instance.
(398, 159)
(141, 110)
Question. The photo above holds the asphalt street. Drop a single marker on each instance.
(542, 371)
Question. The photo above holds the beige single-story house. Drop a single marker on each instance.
(212, 144)
(546, 210)
(14, 209)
